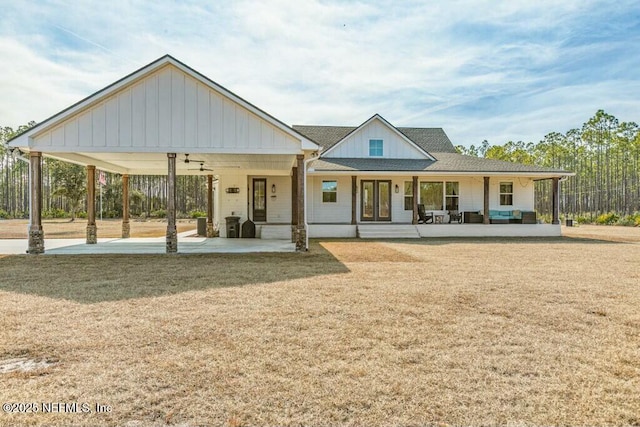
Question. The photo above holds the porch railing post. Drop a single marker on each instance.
(556, 201)
(126, 226)
(485, 219)
(414, 180)
(172, 234)
(92, 229)
(36, 233)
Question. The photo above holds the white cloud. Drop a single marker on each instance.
(480, 69)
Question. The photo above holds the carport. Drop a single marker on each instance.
(168, 119)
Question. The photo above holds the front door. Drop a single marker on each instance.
(259, 199)
(375, 200)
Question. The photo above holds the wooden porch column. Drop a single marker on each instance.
(92, 230)
(294, 197)
(210, 206)
(414, 181)
(485, 218)
(301, 232)
(126, 227)
(555, 200)
(36, 234)
(354, 199)
(172, 234)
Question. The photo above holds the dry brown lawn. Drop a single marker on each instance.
(64, 229)
(434, 332)
(603, 232)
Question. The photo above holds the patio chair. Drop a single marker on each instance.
(455, 216)
(423, 216)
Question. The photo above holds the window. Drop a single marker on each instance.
(408, 195)
(375, 147)
(329, 191)
(432, 195)
(452, 196)
(506, 193)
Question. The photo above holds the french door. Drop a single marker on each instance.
(259, 200)
(375, 200)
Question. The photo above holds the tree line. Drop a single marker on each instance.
(604, 154)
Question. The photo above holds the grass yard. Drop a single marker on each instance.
(448, 331)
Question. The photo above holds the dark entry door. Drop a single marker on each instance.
(375, 200)
(259, 199)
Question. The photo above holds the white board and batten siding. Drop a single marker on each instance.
(356, 145)
(328, 213)
(166, 110)
(278, 203)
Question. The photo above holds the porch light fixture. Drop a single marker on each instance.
(397, 189)
(273, 188)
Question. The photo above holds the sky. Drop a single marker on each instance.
(496, 70)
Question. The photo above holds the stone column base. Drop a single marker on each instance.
(211, 232)
(92, 234)
(172, 240)
(126, 230)
(36, 240)
(300, 239)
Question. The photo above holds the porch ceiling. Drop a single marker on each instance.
(156, 163)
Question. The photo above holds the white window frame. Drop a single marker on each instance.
(404, 185)
(376, 140)
(510, 194)
(330, 191)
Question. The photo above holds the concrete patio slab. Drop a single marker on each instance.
(187, 244)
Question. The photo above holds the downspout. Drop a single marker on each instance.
(315, 156)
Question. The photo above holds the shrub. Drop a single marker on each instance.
(581, 219)
(545, 218)
(4, 214)
(627, 220)
(160, 213)
(197, 214)
(81, 214)
(55, 213)
(607, 218)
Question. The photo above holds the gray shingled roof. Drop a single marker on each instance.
(432, 140)
(429, 139)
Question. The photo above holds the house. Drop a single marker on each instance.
(292, 182)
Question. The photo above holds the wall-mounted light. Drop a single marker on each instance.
(273, 188)
(397, 188)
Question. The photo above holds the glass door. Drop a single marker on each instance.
(384, 201)
(375, 200)
(259, 199)
(368, 201)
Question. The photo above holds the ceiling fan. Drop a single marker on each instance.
(188, 160)
(201, 168)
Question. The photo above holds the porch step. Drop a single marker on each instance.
(388, 231)
(275, 232)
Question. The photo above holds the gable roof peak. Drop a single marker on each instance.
(386, 123)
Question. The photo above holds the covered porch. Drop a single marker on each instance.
(168, 119)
